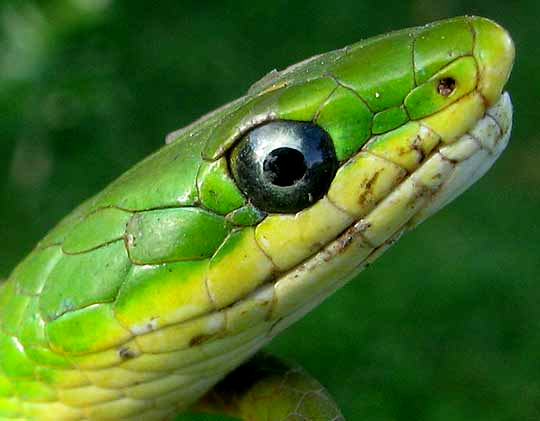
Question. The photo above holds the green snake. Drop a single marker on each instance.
(154, 296)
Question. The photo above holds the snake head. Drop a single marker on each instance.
(249, 217)
(414, 116)
(302, 183)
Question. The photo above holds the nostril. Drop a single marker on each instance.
(446, 86)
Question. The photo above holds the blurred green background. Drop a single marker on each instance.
(445, 326)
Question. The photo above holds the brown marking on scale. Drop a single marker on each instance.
(421, 192)
(271, 306)
(367, 194)
(451, 161)
(344, 241)
(349, 236)
(200, 339)
(417, 146)
(125, 353)
(402, 150)
(262, 303)
(437, 176)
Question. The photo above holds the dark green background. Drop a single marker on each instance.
(444, 327)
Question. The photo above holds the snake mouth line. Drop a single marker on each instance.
(445, 174)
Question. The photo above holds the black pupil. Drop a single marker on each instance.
(284, 166)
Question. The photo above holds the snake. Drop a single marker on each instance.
(156, 295)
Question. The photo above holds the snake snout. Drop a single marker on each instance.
(494, 52)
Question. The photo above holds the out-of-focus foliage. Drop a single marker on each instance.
(445, 327)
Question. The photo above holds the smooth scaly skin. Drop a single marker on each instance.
(149, 293)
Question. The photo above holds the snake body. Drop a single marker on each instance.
(148, 294)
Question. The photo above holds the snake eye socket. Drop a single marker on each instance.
(284, 166)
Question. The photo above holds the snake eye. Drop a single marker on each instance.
(284, 166)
